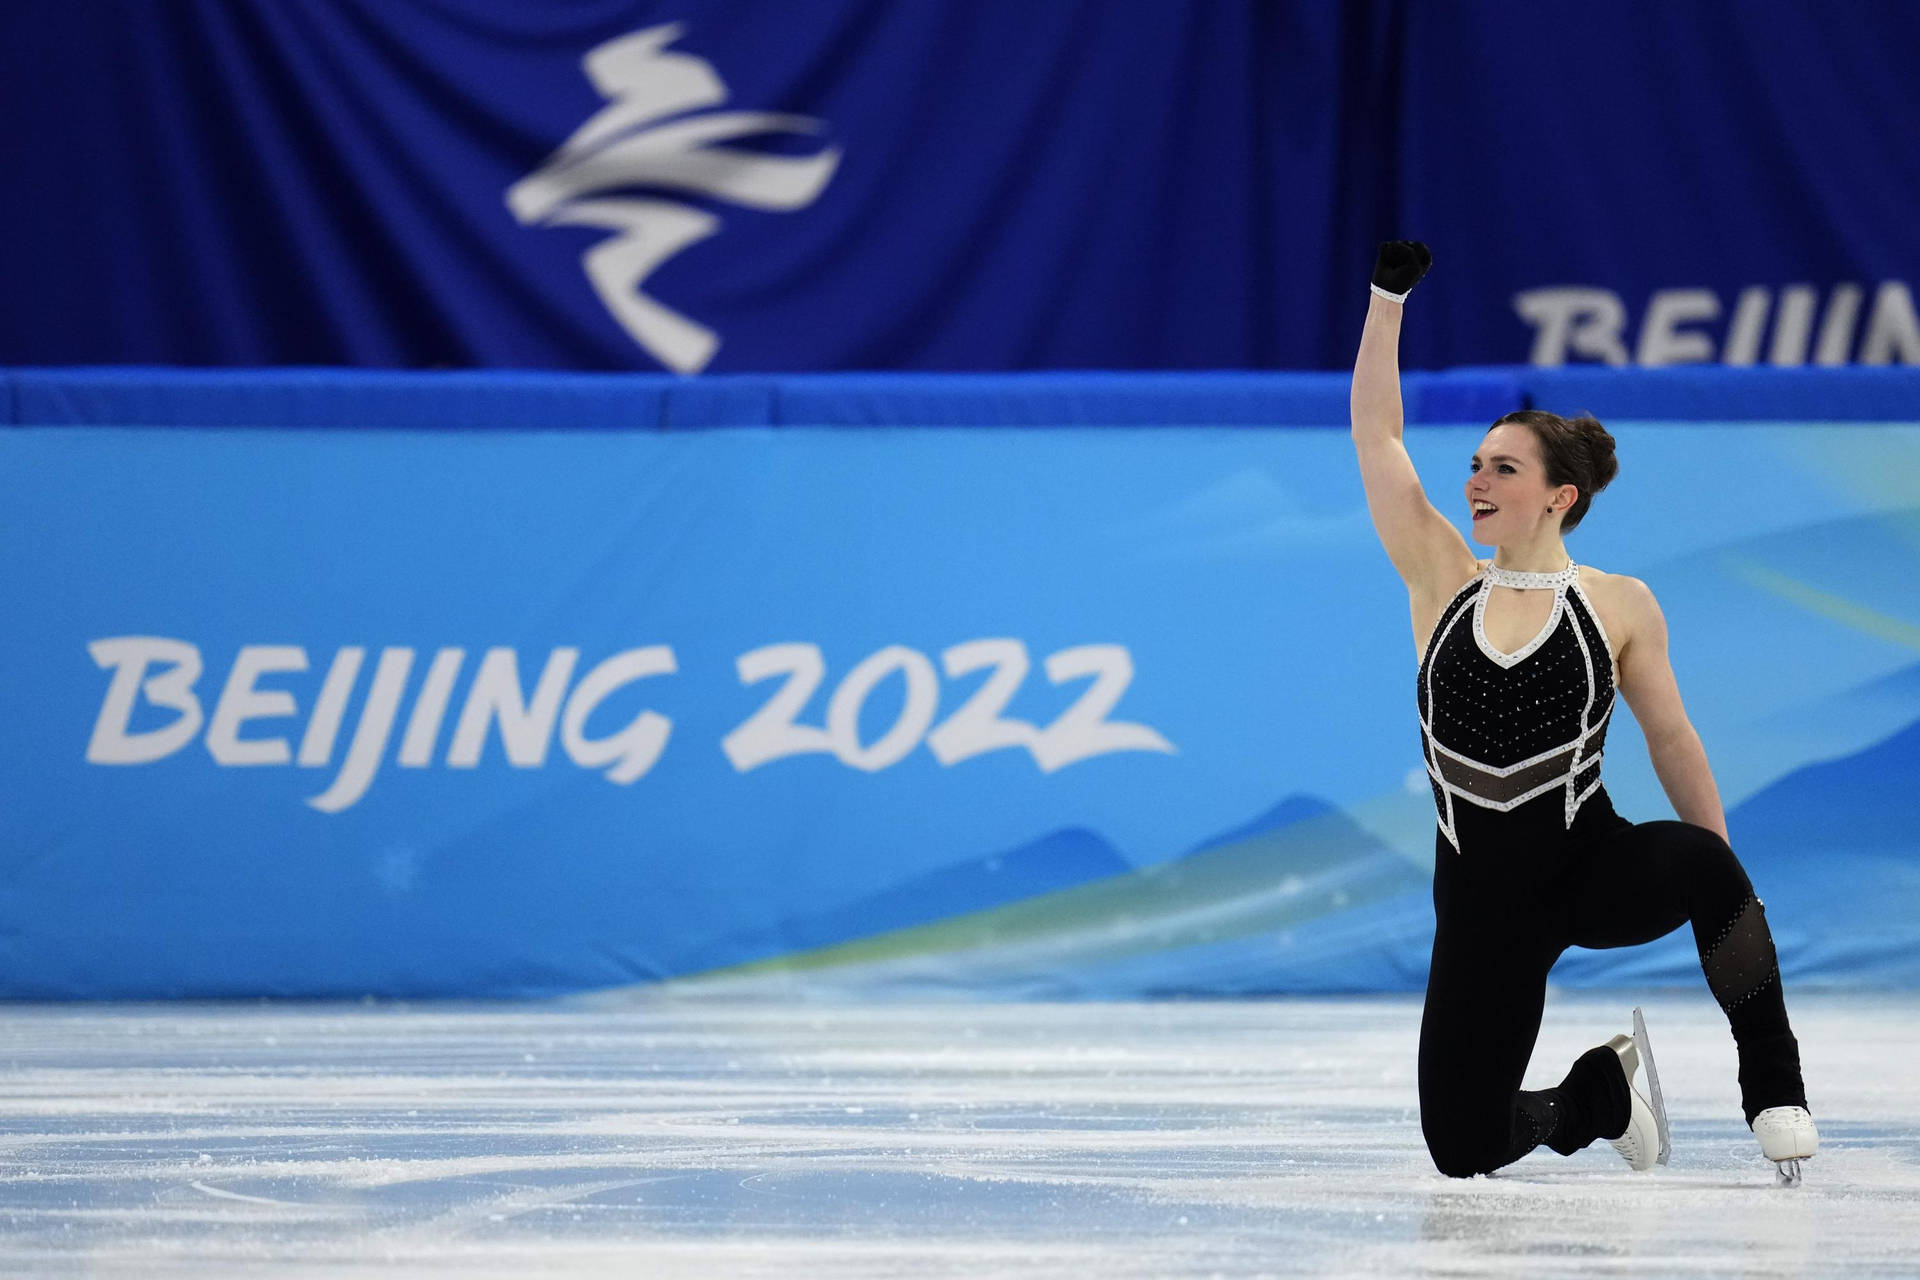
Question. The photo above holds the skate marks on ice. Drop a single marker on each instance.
(776, 1138)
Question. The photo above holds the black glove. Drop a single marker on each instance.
(1399, 267)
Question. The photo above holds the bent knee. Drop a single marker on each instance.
(1462, 1159)
(1692, 838)
(1458, 1168)
(1707, 861)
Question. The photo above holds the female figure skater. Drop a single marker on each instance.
(1520, 658)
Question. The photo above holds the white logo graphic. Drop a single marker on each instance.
(637, 141)
(1680, 326)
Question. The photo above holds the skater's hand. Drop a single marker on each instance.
(1399, 267)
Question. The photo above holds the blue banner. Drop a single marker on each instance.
(992, 705)
(952, 184)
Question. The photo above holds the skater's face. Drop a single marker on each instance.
(1508, 497)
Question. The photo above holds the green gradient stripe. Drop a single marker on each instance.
(1267, 882)
(1824, 603)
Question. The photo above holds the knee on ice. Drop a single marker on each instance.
(1459, 1169)
(1463, 1160)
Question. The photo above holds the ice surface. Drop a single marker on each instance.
(669, 1137)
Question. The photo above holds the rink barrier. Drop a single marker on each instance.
(482, 400)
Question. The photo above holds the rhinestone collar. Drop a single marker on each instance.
(1537, 581)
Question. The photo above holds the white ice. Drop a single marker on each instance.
(670, 1137)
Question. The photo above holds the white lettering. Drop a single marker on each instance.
(1792, 325)
(1893, 330)
(316, 747)
(635, 749)
(1579, 322)
(1573, 319)
(1083, 730)
(526, 730)
(1836, 326)
(843, 709)
(430, 709)
(241, 702)
(130, 656)
(1661, 340)
(1749, 318)
(370, 736)
(978, 726)
(165, 671)
(772, 732)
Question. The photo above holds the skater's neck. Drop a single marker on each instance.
(1546, 555)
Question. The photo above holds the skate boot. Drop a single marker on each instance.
(1645, 1142)
(1787, 1137)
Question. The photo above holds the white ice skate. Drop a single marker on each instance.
(1646, 1142)
(1787, 1137)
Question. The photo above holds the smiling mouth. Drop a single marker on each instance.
(1479, 511)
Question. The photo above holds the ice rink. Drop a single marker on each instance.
(670, 1136)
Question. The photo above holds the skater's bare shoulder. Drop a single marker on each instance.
(1637, 633)
(1626, 607)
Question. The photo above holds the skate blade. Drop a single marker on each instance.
(1655, 1098)
(1786, 1173)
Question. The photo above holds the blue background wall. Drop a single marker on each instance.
(953, 184)
(1251, 818)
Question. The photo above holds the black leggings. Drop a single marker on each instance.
(1505, 910)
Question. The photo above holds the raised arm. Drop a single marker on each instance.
(1432, 557)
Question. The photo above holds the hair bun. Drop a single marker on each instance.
(1598, 443)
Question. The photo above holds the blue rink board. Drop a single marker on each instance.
(512, 709)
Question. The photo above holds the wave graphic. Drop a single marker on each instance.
(1269, 906)
(1302, 899)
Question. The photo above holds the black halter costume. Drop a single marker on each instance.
(1531, 858)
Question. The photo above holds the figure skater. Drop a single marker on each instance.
(1520, 657)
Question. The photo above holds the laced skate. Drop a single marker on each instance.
(1787, 1137)
(1646, 1141)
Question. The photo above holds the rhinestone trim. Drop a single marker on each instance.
(1533, 581)
(1526, 650)
(1606, 641)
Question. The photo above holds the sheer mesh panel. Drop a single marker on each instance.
(1487, 785)
(1536, 1121)
(1743, 960)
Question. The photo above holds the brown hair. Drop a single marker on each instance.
(1576, 451)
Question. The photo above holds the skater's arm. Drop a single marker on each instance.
(1647, 683)
(1429, 553)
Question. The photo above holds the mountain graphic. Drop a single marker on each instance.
(1055, 861)
(1865, 804)
(1266, 906)
(1833, 849)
